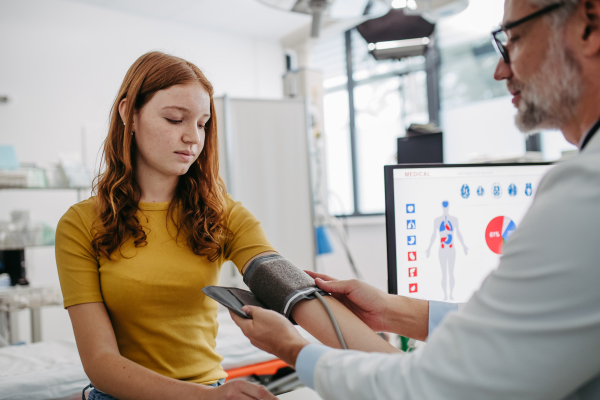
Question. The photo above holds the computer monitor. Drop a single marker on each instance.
(421, 149)
(446, 224)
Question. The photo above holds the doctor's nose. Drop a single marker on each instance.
(503, 71)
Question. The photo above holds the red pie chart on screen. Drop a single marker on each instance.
(497, 233)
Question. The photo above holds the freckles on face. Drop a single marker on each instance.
(170, 129)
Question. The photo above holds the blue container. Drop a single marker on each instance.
(323, 242)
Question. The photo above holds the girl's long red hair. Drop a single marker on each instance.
(200, 194)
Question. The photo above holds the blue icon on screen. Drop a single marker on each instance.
(411, 224)
(412, 240)
(480, 191)
(497, 190)
(465, 192)
(410, 208)
(512, 190)
(528, 189)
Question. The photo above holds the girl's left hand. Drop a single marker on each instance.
(271, 332)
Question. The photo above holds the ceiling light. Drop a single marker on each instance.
(399, 4)
(397, 49)
(401, 43)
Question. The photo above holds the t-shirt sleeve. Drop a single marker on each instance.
(76, 262)
(248, 238)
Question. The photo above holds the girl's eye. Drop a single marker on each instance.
(173, 121)
(514, 39)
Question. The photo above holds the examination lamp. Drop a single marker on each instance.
(397, 49)
(332, 10)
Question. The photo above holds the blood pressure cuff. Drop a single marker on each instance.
(279, 284)
(233, 298)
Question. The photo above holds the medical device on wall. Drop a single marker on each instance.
(446, 225)
(331, 9)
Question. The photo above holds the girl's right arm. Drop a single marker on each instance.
(114, 374)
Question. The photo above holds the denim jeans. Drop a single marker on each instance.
(95, 394)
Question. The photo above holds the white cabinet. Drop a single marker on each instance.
(265, 164)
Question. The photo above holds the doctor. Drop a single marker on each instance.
(533, 330)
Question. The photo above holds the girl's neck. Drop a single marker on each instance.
(156, 189)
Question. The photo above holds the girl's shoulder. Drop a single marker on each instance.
(83, 212)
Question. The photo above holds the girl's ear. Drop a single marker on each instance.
(123, 110)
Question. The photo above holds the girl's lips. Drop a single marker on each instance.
(185, 156)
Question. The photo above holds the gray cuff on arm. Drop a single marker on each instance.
(279, 284)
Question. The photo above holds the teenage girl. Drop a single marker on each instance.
(133, 259)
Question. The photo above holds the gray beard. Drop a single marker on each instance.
(549, 99)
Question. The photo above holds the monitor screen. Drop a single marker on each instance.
(446, 224)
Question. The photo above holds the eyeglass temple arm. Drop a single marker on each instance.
(536, 14)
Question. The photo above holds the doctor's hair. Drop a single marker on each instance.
(558, 18)
(199, 204)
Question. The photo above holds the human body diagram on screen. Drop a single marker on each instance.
(447, 227)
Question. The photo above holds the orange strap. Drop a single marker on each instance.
(265, 368)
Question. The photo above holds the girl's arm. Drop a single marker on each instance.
(116, 375)
(311, 315)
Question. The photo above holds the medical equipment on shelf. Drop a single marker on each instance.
(14, 299)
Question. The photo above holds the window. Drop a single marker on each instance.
(364, 116)
(384, 109)
(339, 161)
(477, 114)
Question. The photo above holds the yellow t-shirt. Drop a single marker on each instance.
(153, 294)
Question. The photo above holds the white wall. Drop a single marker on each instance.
(62, 63)
(367, 241)
(484, 128)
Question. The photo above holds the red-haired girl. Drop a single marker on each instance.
(133, 259)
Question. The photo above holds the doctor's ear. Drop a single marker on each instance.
(591, 29)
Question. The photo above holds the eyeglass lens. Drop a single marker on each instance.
(500, 42)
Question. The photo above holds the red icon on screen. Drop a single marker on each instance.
(412, 272)
(412, 288)
(412, 256)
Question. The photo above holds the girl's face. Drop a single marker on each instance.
(169, 130)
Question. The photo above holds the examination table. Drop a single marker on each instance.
(52, 370)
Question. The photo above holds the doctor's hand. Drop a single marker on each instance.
(381, 312)
(369, 304)
(271, 332)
